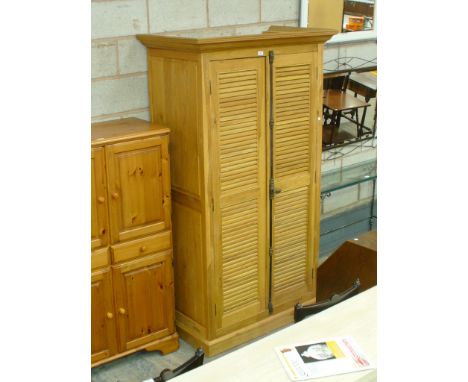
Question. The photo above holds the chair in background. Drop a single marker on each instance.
(365, 84)
(192, 363)
(337, 103)
(302, 311)
(336, 81)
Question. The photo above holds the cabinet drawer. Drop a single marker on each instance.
(99, 258)
(141, 247)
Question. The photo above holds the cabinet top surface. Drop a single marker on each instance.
(124, 129)
(202, 41)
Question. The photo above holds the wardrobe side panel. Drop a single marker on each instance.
(175, 90)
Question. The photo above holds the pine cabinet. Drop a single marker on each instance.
(99, 226)
(132, 282)
(103, 343)
(245, 117)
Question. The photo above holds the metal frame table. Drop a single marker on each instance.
(347, 177)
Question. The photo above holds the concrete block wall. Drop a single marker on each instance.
(119, 85)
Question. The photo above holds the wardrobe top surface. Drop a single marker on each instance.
(207, 40)
(124, 129)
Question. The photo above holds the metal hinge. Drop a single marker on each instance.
(215, 309)
(273, 191)
(210, 86)
(270, 252)
(271, 56)
(272, 123)
(212, 204)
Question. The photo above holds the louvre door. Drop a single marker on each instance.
(294, 135)
(238, 145)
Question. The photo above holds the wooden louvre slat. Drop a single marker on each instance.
(292, 116)
(238, 126)
(290, 231)
(238, 129)
(240, 277)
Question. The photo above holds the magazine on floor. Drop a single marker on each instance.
(322, 358)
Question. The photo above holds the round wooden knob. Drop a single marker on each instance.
(115, 195)
(101, 199)
(110, 315)
(143, 248)
(122, 311)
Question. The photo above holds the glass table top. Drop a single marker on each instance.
(348, 176)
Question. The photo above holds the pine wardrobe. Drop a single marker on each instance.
(245, 118)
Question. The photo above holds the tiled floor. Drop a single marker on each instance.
(145, 365)
(141, 365)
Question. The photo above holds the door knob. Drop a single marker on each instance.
(101, 199)
(122, 311)
(115, 195)
(110, 315)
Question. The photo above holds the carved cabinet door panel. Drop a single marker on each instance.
(99, 228)
(103, 334)
(138, 187)
(144, 299)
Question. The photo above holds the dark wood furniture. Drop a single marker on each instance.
(365, 84)
(353, 259)
(337, 81)
(335, 104)
(352, 268)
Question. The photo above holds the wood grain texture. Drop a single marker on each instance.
(139, 197)
(326, 14)
(132, 280)
(188, 269)
(353, 259)
(173, 80)
(239, 186)
(273, 37)
(143, 291)
(99, 219)
(215, 92)
(104, 133)
(103, 339)
(294, 96)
